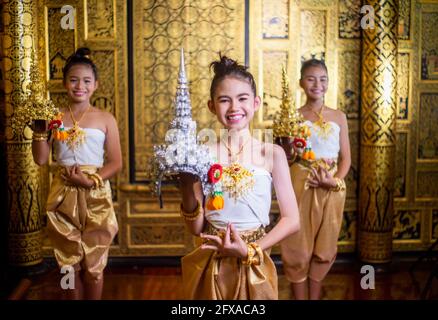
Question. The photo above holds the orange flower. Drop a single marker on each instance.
(215, 202)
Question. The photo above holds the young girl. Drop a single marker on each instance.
(81, 219)
(233, 262)
(319, 187)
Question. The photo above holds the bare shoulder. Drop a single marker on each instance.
(337, 116)
(274, 153)
(104, 115)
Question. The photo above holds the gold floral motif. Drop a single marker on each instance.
(237, 180)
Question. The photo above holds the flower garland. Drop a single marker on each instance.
(57, 127)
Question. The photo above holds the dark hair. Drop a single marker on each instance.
(81, 56)
(226, 67)
(312, 63)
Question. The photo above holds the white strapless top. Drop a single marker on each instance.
(91, 152)
(249, 211)
(325, 147)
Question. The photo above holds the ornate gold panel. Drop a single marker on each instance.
(273, 62)
(348, 83)
(349, 19)
(404, 19)
(403, 85)
(280, 31)
(99, 19)
(407, 225)
(428, 131)
(61, 42)
(401, 156)
(161, 28)
(434, 224)
(426, 182)
(429, 46)
(313, 35)
(275, 19)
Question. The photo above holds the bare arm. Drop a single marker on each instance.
(344, 161)
(113, 162)
(289, 216)
(40, 149)
(191, 191)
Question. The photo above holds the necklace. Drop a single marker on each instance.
(324, 128)
(237, 180)
(76, 135)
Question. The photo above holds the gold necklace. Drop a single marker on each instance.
(324, 127)
(237, 180)
(76, 135)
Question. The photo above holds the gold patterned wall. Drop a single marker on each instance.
(136, 47)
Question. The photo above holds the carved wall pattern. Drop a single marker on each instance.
(161, 28)
(407, 225)
(403, 85)
(404, 20)
(401, 155)
(349, 19)
(136, 208)
(275, 19)
(428, 134)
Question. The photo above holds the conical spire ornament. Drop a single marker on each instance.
(182, 152)
(288, 119)
(35, 105)
(289, 128)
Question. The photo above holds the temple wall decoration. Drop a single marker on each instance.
(135, 45)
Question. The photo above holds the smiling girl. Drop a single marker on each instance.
(234, 262)
(81, 218)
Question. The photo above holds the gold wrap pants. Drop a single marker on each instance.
(311, 251)
(81, 224)
(208, 276)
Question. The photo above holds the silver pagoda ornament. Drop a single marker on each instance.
(182, 152)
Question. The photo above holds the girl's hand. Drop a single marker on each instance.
(76, 177)
(321, 179)
(40, 126)
(231, 245)
(186, 178)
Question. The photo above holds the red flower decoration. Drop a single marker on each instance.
(299, 143)
(215, 173)
(55, 124)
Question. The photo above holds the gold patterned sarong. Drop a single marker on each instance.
(208, 276)
(81, 224)
(311, 251)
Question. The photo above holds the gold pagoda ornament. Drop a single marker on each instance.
(289, 128)
(35, 105)
(288, 120)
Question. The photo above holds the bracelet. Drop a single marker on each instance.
(97, 179)
(250, 257)
(340, 185)
(191, 216)
(254, 251)
(39, 136)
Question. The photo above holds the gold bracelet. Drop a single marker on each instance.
(340, 185)
(40, 136)
(249, 260)
(98, 181)
(259, 252)
(191, 216)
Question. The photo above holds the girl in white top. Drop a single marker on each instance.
(233, 262)
(81, 221)
(319, 188)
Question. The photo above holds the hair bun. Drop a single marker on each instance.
(225, 65)
(83, 52)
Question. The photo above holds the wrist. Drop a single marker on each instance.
(90, 183)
